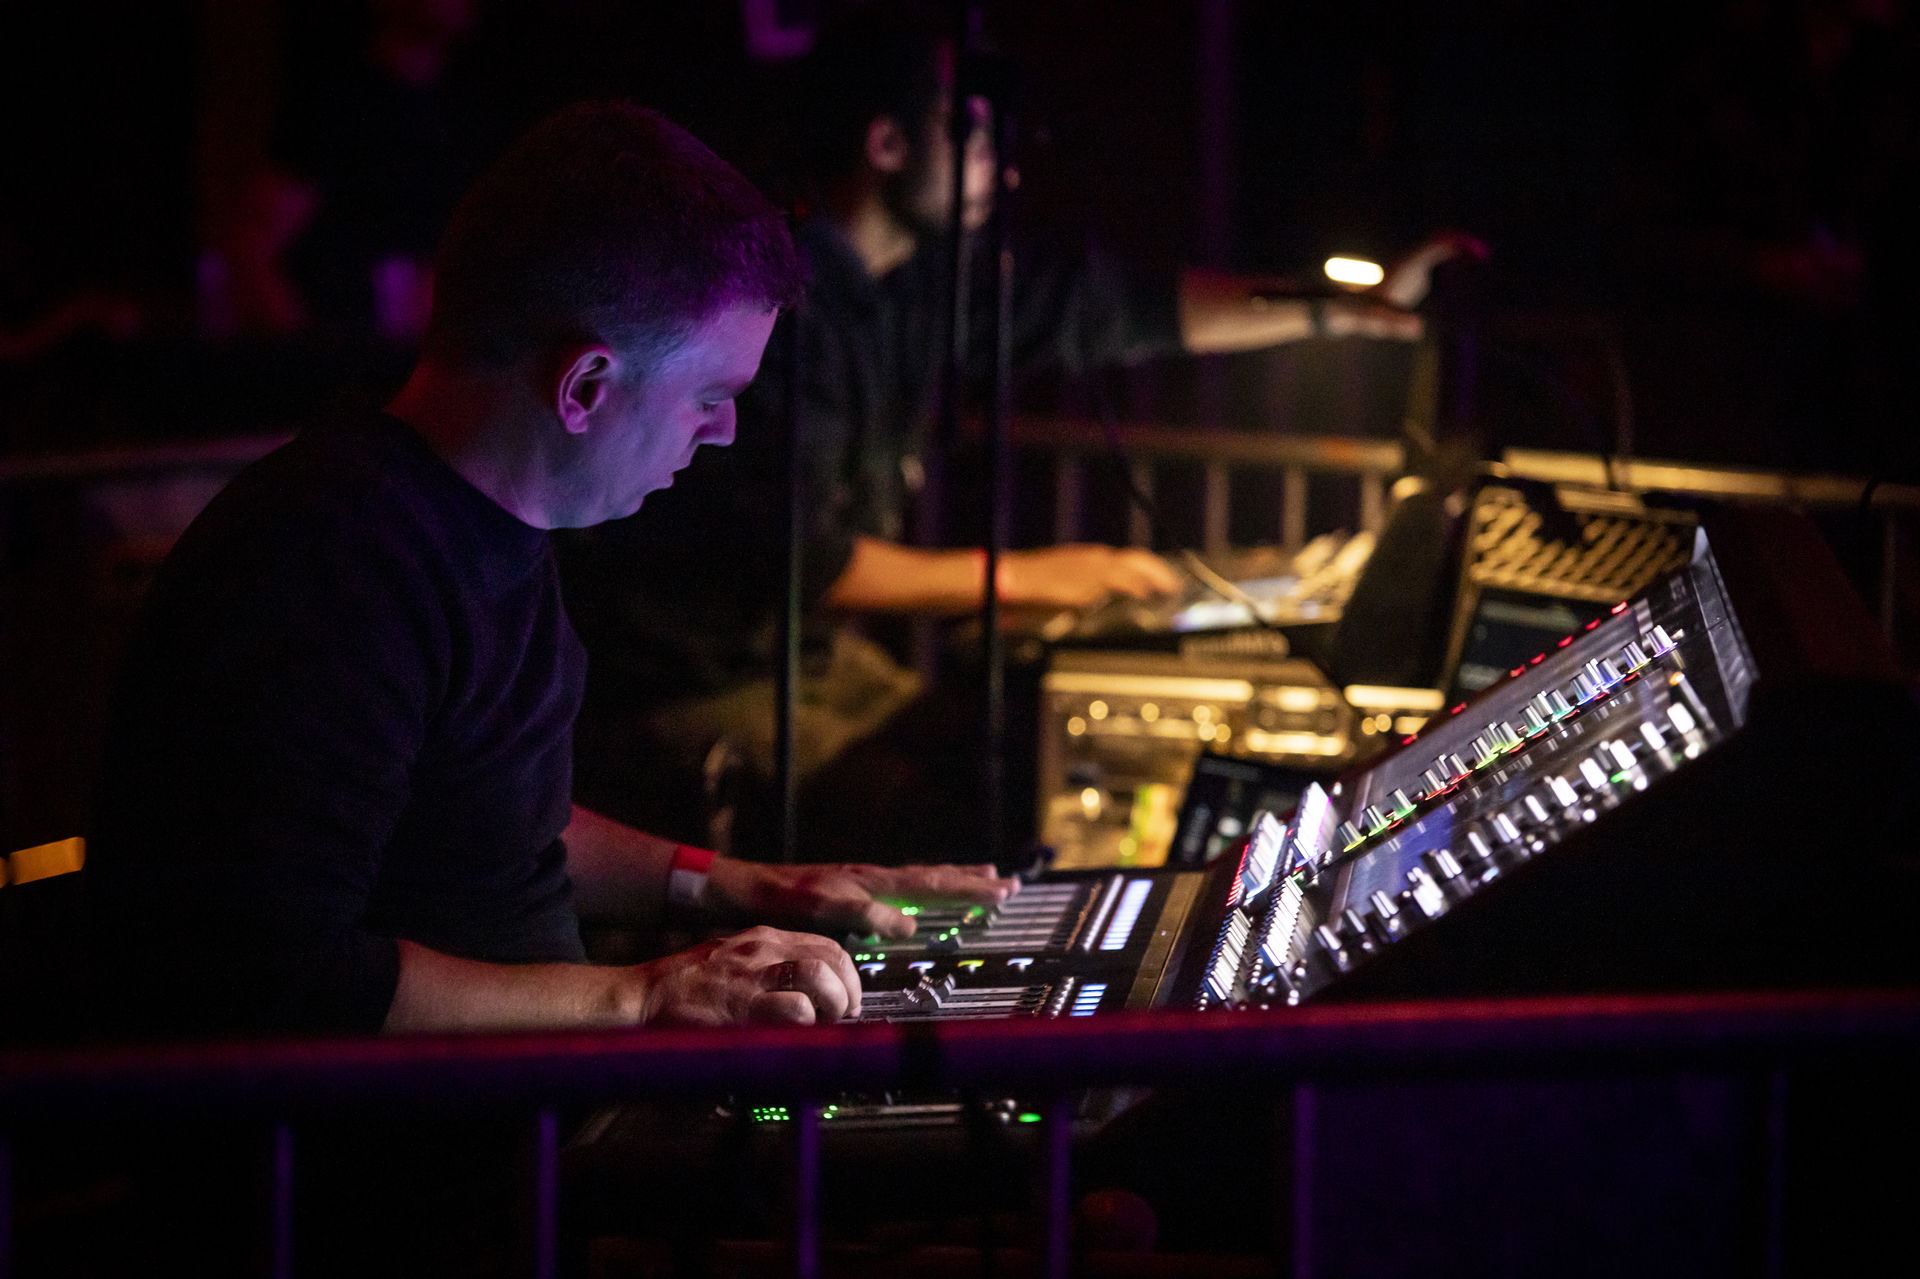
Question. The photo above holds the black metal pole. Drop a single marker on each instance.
(787, 670)
(1000, 494)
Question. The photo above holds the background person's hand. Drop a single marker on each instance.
(1081, 574)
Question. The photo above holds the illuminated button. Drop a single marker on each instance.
(1593, 774)
(1505, 829)
(873, 969)
(1563, 792)
(1425, 894)
(921, 965)
(1537, 809)
(1621, 753)
(971, 965)
(1682, 718)
(1020, 964)
(1650, 734)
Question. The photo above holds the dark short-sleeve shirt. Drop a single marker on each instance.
(683, 598)
(343, 720)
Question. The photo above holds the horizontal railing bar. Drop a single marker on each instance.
(1141, 441)
(143, 459)
(1153, 1048)
(1644, 475)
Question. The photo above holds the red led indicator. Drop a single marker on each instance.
(1538, 659)
(1408, 740)
(1563, 643)
(1619, 608)
(1595, 622)
(1516, 671)
(1456, 710)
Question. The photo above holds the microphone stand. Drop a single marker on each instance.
(999, 467)
(787, 670)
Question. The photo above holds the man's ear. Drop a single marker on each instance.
(887, 145)
(585, 379)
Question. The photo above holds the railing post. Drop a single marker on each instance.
(1372, 501)
(806, 1190)
(280, 1155)
(545, 1206)
(1773, 1226)
(1300, 1240)
(1889, 569)
(1068, 479)
(1293, 507)
(1139, 526)
(6, 1208)
(1059, 1184)
(1216, 510)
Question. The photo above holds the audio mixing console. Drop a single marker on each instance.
(1701, 789)
(1649, 802)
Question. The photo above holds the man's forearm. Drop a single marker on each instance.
(441, 993)
(886, 577)
(618, 873)
(1222, 313)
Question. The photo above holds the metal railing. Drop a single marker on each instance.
(1371, 464)
(1756, 1036)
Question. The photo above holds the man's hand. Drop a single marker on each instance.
(1081, 574)
(759, 977)
(1409, 279)
(851, 898)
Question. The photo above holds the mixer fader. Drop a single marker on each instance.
(1063, 946)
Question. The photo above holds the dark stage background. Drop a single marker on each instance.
(1700, 217)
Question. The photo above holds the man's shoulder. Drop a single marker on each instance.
(339, 491)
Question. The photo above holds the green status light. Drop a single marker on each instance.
(909, 910)
(1028, 1117)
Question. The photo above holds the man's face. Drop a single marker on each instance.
(922, 192)
(653, 421)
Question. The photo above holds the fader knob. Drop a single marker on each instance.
(1505, 829)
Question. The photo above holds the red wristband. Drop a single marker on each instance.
(1000, 571)
(687, 876)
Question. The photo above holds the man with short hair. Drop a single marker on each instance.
(336, 790)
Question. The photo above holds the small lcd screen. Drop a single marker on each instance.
(1222, 798)
(1507, 629)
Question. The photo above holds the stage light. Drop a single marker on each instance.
(1355, 271)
